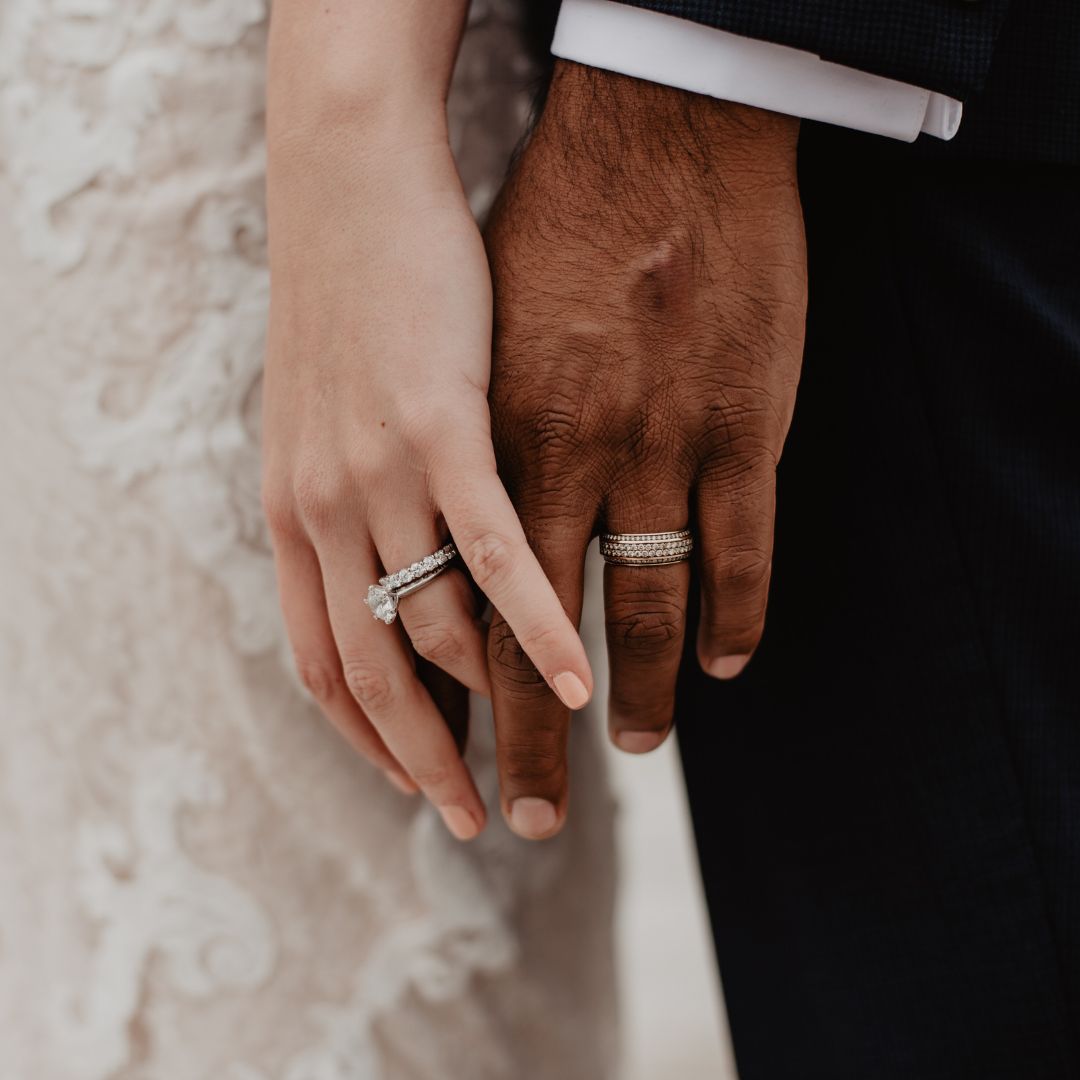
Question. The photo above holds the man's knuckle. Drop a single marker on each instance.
(555, 428)
(650, 437)
(370, 684)
(547, 425)
(743, 571)
(510, 665)
(650, 629)
(505, 651)
(743, 426)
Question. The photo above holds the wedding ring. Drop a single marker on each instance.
(383, 598)
(646, 549)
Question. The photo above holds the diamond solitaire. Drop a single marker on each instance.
(383, 598)
(383, 603)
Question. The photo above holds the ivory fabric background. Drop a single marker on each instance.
(198, 878)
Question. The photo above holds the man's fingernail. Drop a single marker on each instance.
(726, 667)
(460, 822)
(402, 782)
(571, 690)
(532, 818)
(638, 742)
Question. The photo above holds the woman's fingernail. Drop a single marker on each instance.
(460, 822)
(532, 818)
(638, 742)
(726, 667)
(402, 783)
(571, 690)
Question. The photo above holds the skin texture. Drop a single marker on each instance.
(649, 270)
(377, 437)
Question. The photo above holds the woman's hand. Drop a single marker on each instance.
(377, 436)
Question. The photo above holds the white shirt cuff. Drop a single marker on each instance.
(677, 52)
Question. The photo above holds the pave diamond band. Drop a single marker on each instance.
(646, 549)
(436, 561)
(383, 598)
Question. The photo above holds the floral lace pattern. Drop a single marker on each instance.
(200, 880)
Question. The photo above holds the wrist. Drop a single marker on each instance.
(361, 121)
(647, 132)
(355, 75)
(363, 150)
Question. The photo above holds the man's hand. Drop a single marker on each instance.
(650, 294)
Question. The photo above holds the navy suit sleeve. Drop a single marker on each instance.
(944, 45)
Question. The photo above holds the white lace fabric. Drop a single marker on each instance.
(198, 879)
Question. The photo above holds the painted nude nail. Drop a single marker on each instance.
(571, 690)
(460, 822)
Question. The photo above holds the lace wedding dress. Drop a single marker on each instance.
(197, 879)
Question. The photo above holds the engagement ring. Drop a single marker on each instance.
(383, 598)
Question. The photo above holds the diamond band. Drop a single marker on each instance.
(646, 549)
(383, 598)
(436, 561)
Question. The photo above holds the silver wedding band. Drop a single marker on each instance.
(646, 549)
(382, 599)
